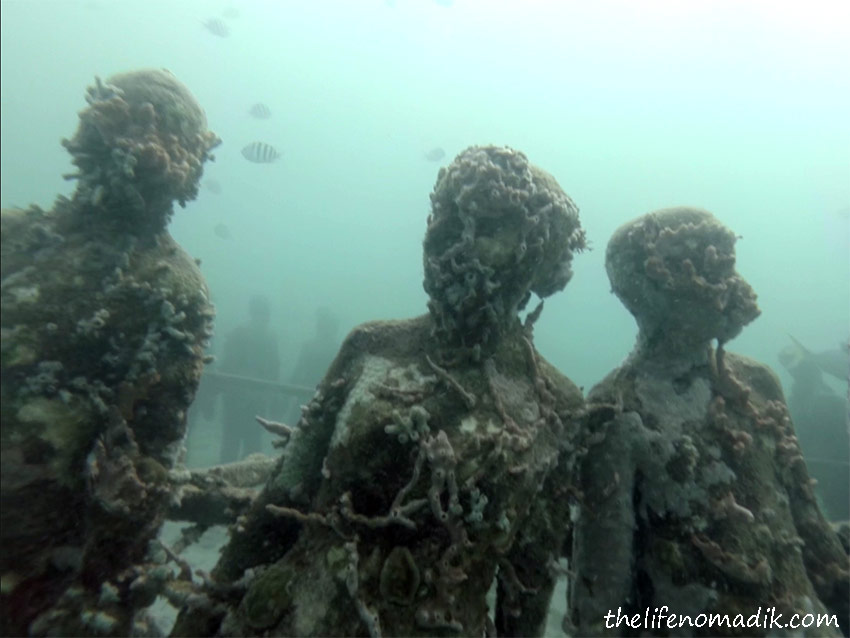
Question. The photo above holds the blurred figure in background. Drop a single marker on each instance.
(250, 351)
(203, 408)
(820, 416)
(315, 356)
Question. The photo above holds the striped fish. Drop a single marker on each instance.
(260, 111)
(260, 153)
(217, 27)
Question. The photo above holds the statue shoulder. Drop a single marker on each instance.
(568, 393)
(762, 380)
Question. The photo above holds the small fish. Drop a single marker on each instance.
(222, 231)
(260, 111)
(231, 13)
(213, 186)
(435, 154)
(217, 27)
(260, 153)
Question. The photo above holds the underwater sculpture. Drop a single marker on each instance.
(419, 468)
(695, 493)
(822, 421)
(103, 329)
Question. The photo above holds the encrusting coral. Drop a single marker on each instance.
(481, 263)
(693, 485)
(104, 325)
(140, 146)
(424, 468)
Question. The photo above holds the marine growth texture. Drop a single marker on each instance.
(140, 146)
(104, 325)
(500, 229)
(432, 459)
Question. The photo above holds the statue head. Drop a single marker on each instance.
(674, 269)
(500, 228)
(140, 146)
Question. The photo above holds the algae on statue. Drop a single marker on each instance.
(696, 494)
(418, 473)
(104, 323)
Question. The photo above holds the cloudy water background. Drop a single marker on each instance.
(737, 107)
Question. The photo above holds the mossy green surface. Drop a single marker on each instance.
(269, 596)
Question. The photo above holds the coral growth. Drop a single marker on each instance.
(695, 489)
(500, 228)
(402, 492)
(104, 328)
(666, 263)
(141, 145)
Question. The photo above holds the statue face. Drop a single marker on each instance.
(500, 229)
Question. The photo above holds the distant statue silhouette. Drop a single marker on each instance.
(821, 418)
(314, 357)
(203, 407)
(250, 350)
